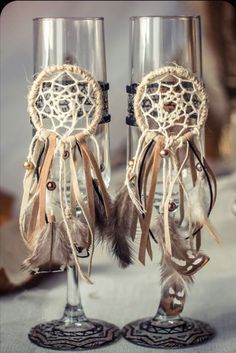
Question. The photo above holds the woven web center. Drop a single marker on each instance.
(65, 103)
(171, 105)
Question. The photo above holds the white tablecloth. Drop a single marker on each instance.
(120, 296)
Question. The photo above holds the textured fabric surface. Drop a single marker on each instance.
(120, 296)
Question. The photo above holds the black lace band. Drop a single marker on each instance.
(131, 90)
(106, 117)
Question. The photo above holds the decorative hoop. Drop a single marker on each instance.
(194, 90)
(47, 76)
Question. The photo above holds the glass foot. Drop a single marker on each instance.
(159, 333)
(61, 335)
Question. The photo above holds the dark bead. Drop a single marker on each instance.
(172, 206)
(198, 167)
(164, 153)
(102, 167)
(51, 185)
(66, 154)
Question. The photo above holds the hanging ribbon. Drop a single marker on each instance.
(145, 224)
(37, 220)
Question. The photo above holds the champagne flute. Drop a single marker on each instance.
(75, 41)
(157, 41)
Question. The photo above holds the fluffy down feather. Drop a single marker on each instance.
(51, 246)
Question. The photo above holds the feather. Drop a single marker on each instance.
(79, 232)
(174, 282)
(122, 228)
(184, 258)
(198, 203)
(50, 249)
(51, 246)
(176, 270)
(173, 294)
(101, 221)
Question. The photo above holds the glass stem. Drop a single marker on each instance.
(74, 311)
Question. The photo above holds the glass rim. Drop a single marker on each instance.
(180, 17)
(69, 18)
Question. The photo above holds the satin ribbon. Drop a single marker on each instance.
(90, 166)
(28, 184)
(88, 209)
(37, 219)
(145, 222)
(96, 169)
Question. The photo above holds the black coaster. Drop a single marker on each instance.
(154, 333)
(87, 334)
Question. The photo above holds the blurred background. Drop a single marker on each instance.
(219, 73)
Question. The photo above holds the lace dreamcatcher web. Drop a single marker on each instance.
(172, 102)
(65, 99)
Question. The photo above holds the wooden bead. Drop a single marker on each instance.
(51, 218)
(131, 176)
(51, 185)
(164, 153)
(28, 165)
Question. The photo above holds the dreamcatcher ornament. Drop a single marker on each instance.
(62, 171)
(170, 108)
